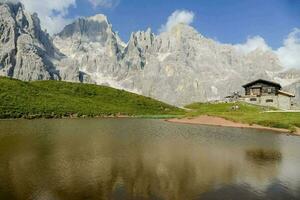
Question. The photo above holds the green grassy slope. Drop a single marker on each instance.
(247, 113)
(58, 99)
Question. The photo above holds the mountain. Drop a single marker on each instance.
(27, 52)
(291, 82)
(91, 44)
(179, 66)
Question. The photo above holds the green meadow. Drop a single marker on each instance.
(56, 99)
(247, 113)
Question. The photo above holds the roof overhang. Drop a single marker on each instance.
(286, 93)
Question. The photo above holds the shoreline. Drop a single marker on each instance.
(200, 120)
(218, 121)
(166, 116)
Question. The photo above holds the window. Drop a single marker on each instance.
(269, 101)
(252, 99)
(255, 91)
(269, 90)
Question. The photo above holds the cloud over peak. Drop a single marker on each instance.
(288, 54)
(252, 43)
(178, 17)
(104, 3)
(53, 14)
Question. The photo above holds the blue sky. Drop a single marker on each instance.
(228, 21)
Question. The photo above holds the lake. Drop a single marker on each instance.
(70, 159)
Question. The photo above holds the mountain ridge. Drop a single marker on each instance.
(179, 66)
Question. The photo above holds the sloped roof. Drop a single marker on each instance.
(286, 93)
(262, 81)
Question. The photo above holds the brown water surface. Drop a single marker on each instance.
(91, 159)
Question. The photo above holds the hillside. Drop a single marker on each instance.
(55, 99)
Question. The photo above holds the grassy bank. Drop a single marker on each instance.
(55, 99)
(249, 114)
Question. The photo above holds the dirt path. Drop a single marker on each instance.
(218, 121)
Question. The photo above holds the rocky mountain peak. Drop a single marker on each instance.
(182, 30)
(141, 38)
(95, 28)
(25, 50)
(89, 35)
(14, 7)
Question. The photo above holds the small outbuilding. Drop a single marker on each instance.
(267, 93)
(233, 98)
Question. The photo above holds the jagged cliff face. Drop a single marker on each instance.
(90, 44)
(179, 66)
(290, 79)
(25, 50)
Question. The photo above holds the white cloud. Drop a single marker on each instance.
(178, 17)
(105, 3)
(252, 44)
(289, 54)
(52, 13)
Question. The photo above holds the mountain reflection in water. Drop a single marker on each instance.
(143, 159)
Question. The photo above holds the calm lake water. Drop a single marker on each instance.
(143, 159)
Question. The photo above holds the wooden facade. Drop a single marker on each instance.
(262, 88)
(267, 93)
